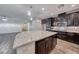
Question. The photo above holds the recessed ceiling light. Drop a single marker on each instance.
(4, 18)
(43, 9)
(73, 5)
(29, 13)
(31, 18)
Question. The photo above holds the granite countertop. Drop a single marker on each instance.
(32, 36)
(66, 29)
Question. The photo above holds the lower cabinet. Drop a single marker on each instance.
(68, 36)
(45, 46)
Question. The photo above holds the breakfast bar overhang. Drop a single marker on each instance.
(35, 42)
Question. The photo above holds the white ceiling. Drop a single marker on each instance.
(17, 13)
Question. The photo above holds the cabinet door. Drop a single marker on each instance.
(76, 19)
(40, 47)
(48, 45)
(53, 42)
(45, 46)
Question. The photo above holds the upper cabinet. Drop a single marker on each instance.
(49, 22)
(73, 19)
(76, 19)
(63, 19)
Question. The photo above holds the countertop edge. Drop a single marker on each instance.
(17, 46)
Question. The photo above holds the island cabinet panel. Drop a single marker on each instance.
(40, 47)
(53, 41)
(45, 46)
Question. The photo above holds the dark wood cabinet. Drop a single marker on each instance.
(49, 22)
(40, 47)
(68, 36)
(48, 45)
(72, 19)
(54, 42)
(74, 39)
(45, 46)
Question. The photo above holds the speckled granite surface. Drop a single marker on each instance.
(32, 36)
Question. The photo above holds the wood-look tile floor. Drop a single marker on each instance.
(64, 47)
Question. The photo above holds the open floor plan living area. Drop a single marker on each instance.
(39, 28)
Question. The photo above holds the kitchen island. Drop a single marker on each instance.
(35, 42)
